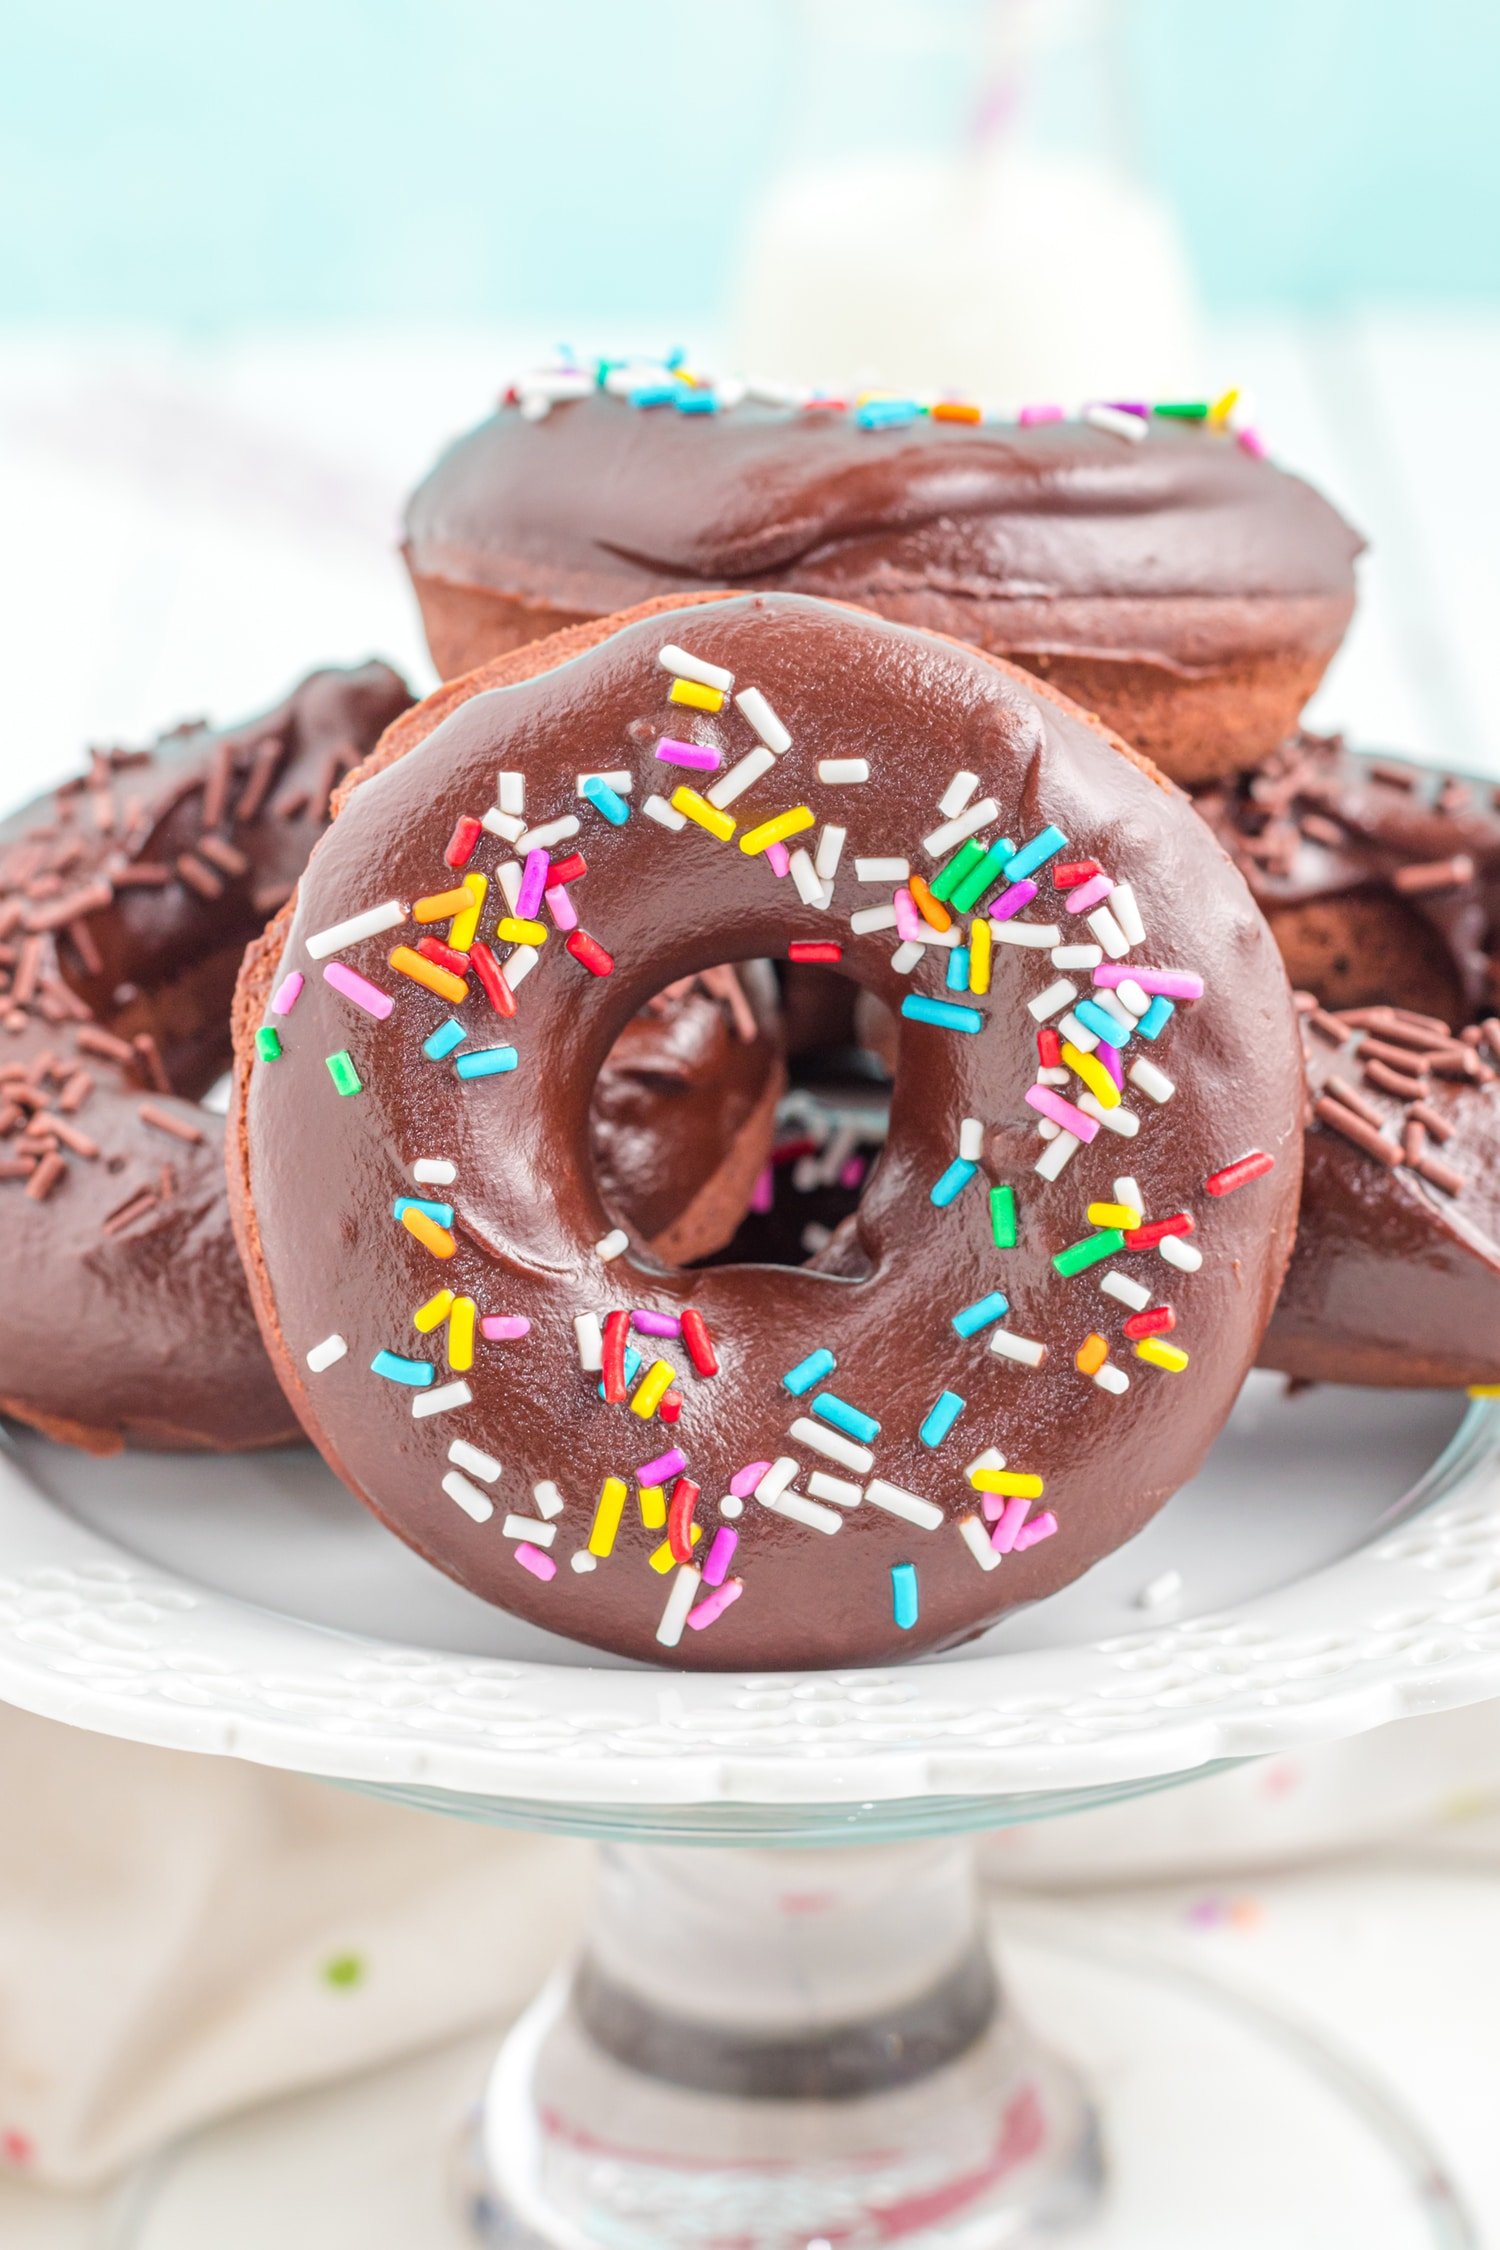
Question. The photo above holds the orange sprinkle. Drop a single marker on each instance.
(932, 910)
(440, 907)
(427, 1231)
(1091, 1355)
(422, 971)
(954, 410)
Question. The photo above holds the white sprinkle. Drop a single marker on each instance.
(519, 965)
(369, 924)
(832, 1444)
(612, 1245)
(977, 1539)
(1132, 426)
(1125, 911)
(990, 1458)
(583, 1561)
(550, 386)
(682, 666)
(839, 771)
(942, 840)
(1185, 1256)
(807, 1173)
(823, 1485)
(550, 832)
(1023, 1348)
(434, 1171)
(508, 825)
(474, 1503)
(326, 1354)
(1062, 994)
(665, 815)
(446, 1395)
(764, 720)
(1111, 1378)
(1072, 1028)
(680, 1600)
(510, 875)
(1108, 931)
(830, 851)
(1153, 1083)
(731, 1507)
(815, 1238)
(897, 1501)
(872, 918)
(776, 1479)
(1128, 1192)
(1112, 1008)
(590, 1342)
(733, 784)
(957, 794)
(1038, 934)
(1049, 1074)
(906, 957)
(529, 1527)
(1076, 957)
(805, 877)
(1124, 1290)
(801, 1510)
(944, 939)
(547, 1497)
(1157, 1592)
(1052, 1159)
(510, 791)
(466, 1456)
(768, 393)
(971, 1140)
(1047, 1129)
(882, 870)
(1132, 996)
(621, 781)
(1119, 1120)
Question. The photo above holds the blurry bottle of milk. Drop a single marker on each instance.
(957, 209)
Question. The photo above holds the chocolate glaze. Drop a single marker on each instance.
(1188, 590)
(313, 1175)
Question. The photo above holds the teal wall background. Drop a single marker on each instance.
(207, 166)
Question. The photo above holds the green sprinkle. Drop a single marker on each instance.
(1003, 1217)
(344, 1971)
(1184, 410)
(1090, 1250)
(947, 879)
(267, 1043)
(987, 876)
(343, 1073)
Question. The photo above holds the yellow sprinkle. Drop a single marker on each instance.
(775, 831)
(653, 1388)
(440, 907)
(662, 1557)
(693, 807)
(1011, 1482)
(653, 1506)
(514, 929)
(461, 1335)
(693, 692)
(932, 910)
(1157, 1354)
(1114, 1215)
(427, 1231)
(433, 1313)
(1223, 407)
(607, 1513)
(1091, 1355)
(1093, 1074)
(424, 972)
(981, 947)
(1484, 1390)
(466, 928)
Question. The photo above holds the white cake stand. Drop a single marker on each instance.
(786, 2042)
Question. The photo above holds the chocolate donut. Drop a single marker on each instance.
(1152, 565)
(485, 1356)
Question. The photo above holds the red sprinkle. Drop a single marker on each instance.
(699, 1343)
(1156, 1322)
(1049, 1048)
(814, 949)
(1157, 1230)
(680, 1519)
(444, 955)
(590, 953)
(492, 981)
(461, 843)
(671, 1405)
(1075, 871)
(566, 870)
(1239, 1174)
(616, 1329)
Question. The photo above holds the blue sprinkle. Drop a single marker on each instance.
(946, 1014)
(606, 800)
(953, 1182)
(676, 357)
(1157, 1017)
(983, 1313)
(942, 1418)
(443, 1041)
(862, 1427)
(417, 1373)
(654, 394)
(886, 413)
(904, 1594)
(1100, 1021)
(1035, 854)
(486, 1062)
(691, 400)
(958, 968)
(441, 1212)
(808, 1371)
(633, 1364)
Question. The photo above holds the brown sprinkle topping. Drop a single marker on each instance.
(1434, 875)
(1354, 1128)
(164, 1121)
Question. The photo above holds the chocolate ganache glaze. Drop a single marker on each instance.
(1181, 585)
(855, 1468)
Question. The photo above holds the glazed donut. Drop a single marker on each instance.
(1158, 570)
(487, 1359)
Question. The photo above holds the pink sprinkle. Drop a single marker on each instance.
(536, 1560)
(1061, 1113)
(1040, 1527)
(663, 1468)
(1253, 443)
(1092, 893)
(1109, 1057)
(1173, 984)
(763, 1194)
(1007, 1530)
(504, 1328)
(286, 993)
(695, 754)
(909, 923)
(561, 907)
(720, 1555)
(656, 1323)
(533, 883)
(714, 1605)
(358, 989)
(1030, 415)
(853, 1172)
(1011, 902)
(744, 1481)
(780, 858)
